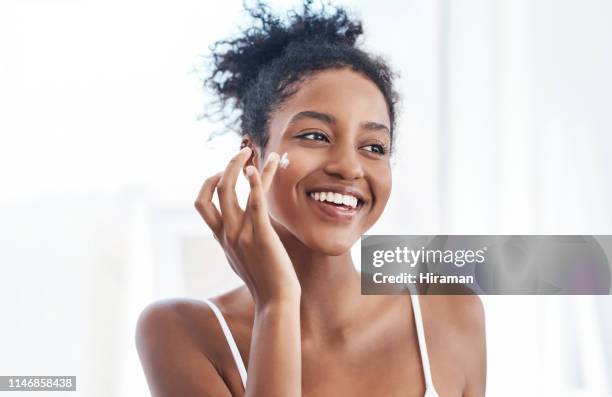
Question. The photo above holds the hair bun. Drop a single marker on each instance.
(237, 61)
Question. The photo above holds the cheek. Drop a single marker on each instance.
(284, 191)
(298, 165)
(385, 186)
(381, 185)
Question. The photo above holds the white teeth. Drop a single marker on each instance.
(337, 198)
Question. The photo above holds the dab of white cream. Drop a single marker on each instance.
(284, 161)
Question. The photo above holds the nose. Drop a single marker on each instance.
(345, 163)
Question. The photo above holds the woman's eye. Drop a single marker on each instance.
(378, 149)
(318, 136)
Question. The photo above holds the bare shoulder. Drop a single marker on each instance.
(463, 313)
(172, 319)
(178, 344)
(460, 320)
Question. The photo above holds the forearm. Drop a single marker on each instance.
(275, 359)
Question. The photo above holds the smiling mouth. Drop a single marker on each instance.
(335, 206)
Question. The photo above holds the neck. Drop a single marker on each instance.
(331, 287)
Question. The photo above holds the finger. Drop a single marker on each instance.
(257, 207)
(226, 189)
(269, 170)
(206, 207)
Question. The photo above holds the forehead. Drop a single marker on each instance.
(349, 96)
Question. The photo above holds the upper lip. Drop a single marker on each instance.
(339, 189)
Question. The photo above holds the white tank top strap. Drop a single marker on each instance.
(230, 341)
(430, 390)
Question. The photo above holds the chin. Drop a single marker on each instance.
(332, 245)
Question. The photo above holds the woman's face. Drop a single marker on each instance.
(333, 129)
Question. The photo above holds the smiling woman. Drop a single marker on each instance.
(304, 88)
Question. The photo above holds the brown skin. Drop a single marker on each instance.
(310, 332)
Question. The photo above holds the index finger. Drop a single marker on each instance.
(269, 170)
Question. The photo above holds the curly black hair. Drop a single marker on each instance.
(253, 74)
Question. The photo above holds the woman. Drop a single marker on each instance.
(300, 322)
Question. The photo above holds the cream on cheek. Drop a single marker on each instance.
(286, 196)
(284, 161)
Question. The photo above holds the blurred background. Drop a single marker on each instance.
(505, 128)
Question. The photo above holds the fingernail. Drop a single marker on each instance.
(271, 156)
(245, 149)
(249, 170)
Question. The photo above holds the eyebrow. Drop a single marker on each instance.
(331, 120)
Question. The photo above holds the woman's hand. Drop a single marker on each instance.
(252, 246)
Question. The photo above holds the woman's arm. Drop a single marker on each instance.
(275, 356)
(257, 255)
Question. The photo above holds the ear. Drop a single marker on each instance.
(254, 159)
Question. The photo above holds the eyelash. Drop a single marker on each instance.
(383, 148)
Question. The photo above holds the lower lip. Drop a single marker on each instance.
(333, 211)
